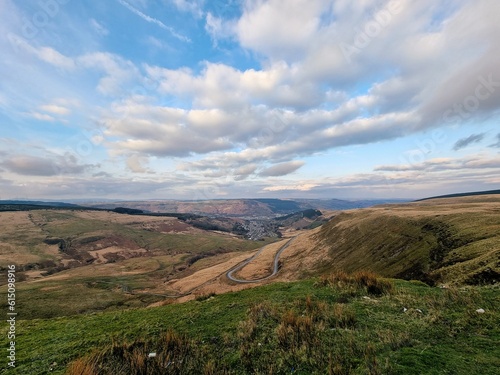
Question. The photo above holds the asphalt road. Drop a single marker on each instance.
(229, 274)
(238, 267)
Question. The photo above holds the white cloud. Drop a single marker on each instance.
(50, 165)
(153, 20)
(159, 131)
(137, 164)
(433, 177)
(192, 6)
(280, 28)
(119, 73)
(41, 116)
(219, 28)
(55, 58)
(301, 96)
(316, 108)
(47, 54)
(297, 187)
(281, 169)
(55, 109)
(244, 172)
(446, 164)
(98, 27)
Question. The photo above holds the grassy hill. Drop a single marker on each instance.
(336, 324)
(71, 261)
(454, 240)
(468, 194)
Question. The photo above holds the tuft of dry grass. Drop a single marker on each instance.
(82, 366)
(174, 354)
(361, 281)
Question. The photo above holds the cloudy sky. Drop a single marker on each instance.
(196, 99)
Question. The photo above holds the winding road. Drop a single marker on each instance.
(229, 273)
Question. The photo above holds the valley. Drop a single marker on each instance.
(94, 265)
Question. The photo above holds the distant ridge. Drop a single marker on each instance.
(39, 203)
(457, 195)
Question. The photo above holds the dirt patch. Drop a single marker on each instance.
(134, 266)
(34, 274)
(102, 256)
(170, 226)
(103, 242)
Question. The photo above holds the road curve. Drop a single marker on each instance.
(229, 273)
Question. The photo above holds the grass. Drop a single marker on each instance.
(365, 281)
(79, 231)
(434, 241)
(307, 327)
(78, 296)
(74, 290)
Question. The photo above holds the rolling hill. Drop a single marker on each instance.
(87, 260)
(468, 194)
(452, 240)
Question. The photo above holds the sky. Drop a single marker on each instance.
(199, 99)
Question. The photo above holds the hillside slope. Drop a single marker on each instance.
(317, 326)
(72, 261)
(437, 241)
(467, 194)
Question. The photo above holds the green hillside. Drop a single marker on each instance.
(436, 241)
(468, 194)
(59, 272)
(337, 325)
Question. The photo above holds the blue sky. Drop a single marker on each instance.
(176, 99)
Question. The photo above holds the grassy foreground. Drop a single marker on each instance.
(334, 325)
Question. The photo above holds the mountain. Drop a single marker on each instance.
(339, 204)
(21, 205)
(469, 194)
(452, 240)
(307, 219)
(37, 203)
(245, 208)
